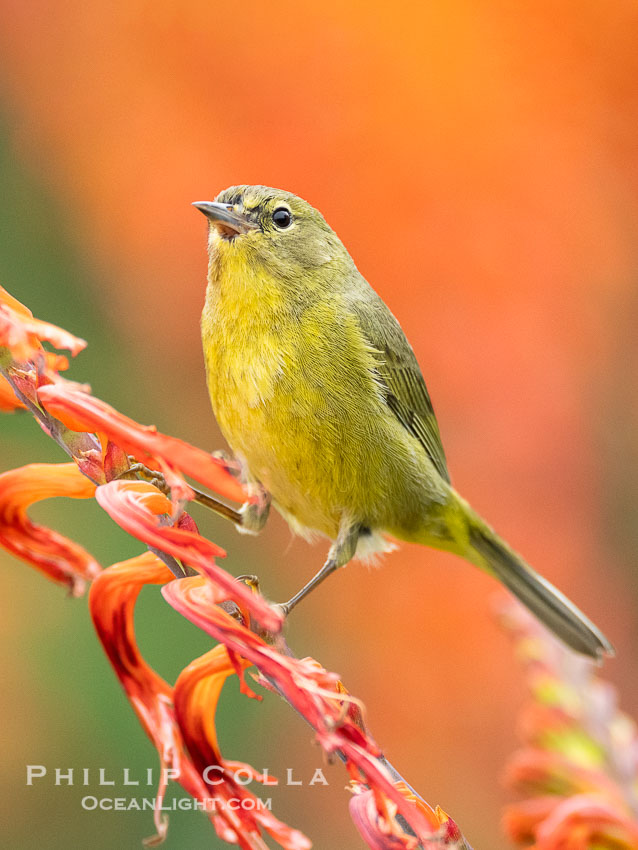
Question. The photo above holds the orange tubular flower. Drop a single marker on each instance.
(53, 363)
(138, 506)
(578, 771)
(56, 556)
(310, 689)
(378, 834)
(197, 692)
(112, 604)
(180, 721)
(385, 834)
(8, 399)
(80, 411)
(22, 334)
(585, 822)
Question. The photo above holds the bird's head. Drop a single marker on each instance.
(268, 230)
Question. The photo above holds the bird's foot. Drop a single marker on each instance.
(254, 513)
(251, 580)
(153, 476)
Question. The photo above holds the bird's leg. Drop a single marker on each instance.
(341, 551)
(233, 468)
(217, 507)
(250, 518)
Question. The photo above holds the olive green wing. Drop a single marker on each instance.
(399, 374)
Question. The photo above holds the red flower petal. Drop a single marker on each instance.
(586, 821)
(136, 506)
(197, 692)
(534, 771)
(8, 399)
(578, 770)
(521, 820)
(22, 334)
(310, 689)
(384, 833)
(112, 604)
(82, 412)
(377, 835)
(7, 300)
(450, 832)
(56, 556)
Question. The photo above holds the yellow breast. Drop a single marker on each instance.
(276, 382)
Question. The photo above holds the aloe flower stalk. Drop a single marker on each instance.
(577, 772)
(107, 450)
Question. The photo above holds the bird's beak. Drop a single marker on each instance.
(225, 218)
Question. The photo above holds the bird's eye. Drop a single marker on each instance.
(282, 218)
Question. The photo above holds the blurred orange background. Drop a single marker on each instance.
(480, 162)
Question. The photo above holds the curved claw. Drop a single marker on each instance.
(152, 476)
(251, 580)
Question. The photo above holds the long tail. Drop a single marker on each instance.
(547, 603)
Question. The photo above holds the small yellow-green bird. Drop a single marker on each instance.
(319, 395)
